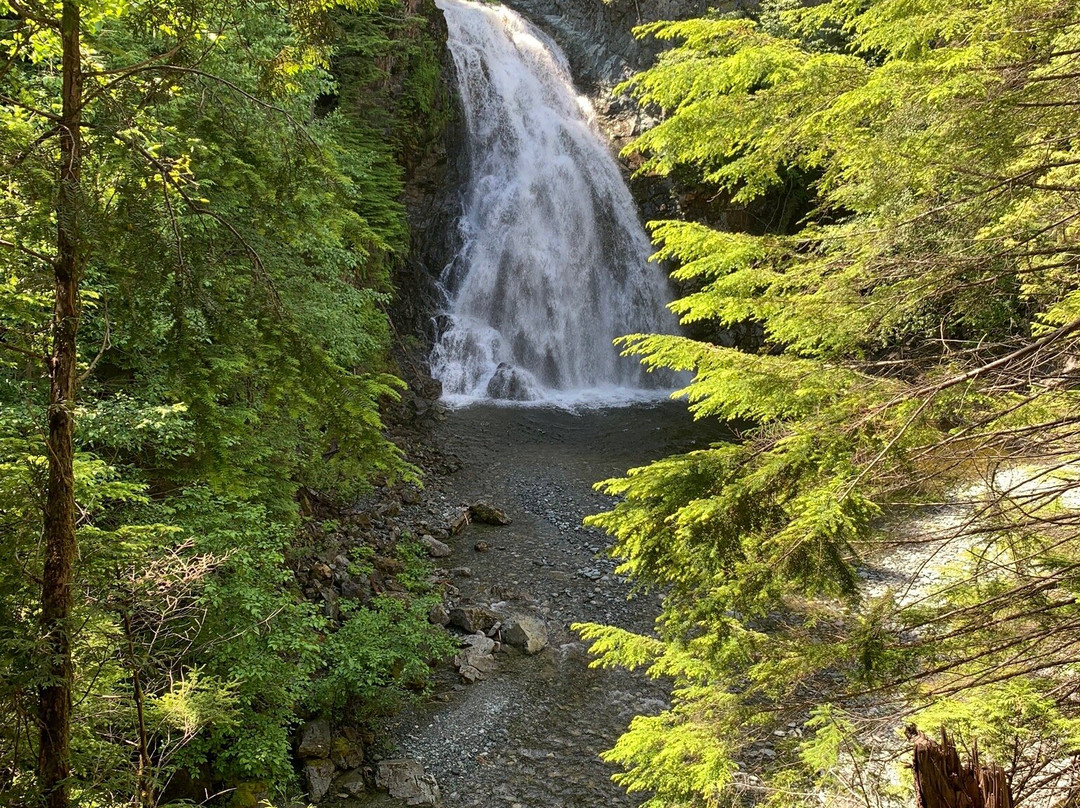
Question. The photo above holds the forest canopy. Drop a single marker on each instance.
(895, 537)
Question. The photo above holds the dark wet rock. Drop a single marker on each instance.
(435, 548)
(331, 609)
(512, 384)
(347, 750)
(487, 514)
(359, 591)
(319, 774)
(351, 784)
(598, 38)
(472, 618)
(315, 739)
(406, 780)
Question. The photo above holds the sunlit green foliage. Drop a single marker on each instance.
(920, 331)
(239, 236)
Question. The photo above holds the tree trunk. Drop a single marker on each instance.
(942, 781)
(54, 764)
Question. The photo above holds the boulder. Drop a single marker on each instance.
(347, 752)
(476, 659)
(435, 548)
(472, 619)
(388, 565)
(406, 780)
(319, 775)
(247, 794)
(438, 616)
(459, 522)
(469, 674)
(527, 633)
(315, 739)
(331, 607)
(356, 590)
(487, 514)
(512, 384)
(351, 784)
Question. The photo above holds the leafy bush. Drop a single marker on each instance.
(381, 655)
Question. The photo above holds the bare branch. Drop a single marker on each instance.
(32, 253)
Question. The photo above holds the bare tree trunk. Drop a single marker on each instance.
(54, 763)
(943, 781)
(146, 766)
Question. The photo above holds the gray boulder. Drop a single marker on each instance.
(477, 658)
(473, 618)
(527, 633)
(319, 775)
(315, 740)
(488, 514)
(351, 784)
(438, 616)
(435, 548)
(406, 780)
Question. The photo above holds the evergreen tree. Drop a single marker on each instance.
(195, 257)
(921, 328)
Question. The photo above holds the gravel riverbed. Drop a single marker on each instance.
(530, 734)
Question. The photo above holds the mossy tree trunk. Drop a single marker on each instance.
(54, 764)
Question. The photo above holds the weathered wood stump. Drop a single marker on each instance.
(943, 781)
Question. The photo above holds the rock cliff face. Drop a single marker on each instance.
(597, 37)
(435, 169)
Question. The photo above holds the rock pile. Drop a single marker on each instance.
(488, 629)
(324, 752)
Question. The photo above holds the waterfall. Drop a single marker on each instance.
(553, 260)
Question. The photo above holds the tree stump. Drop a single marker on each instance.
(943, 781)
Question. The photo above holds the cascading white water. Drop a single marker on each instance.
(553, 264)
